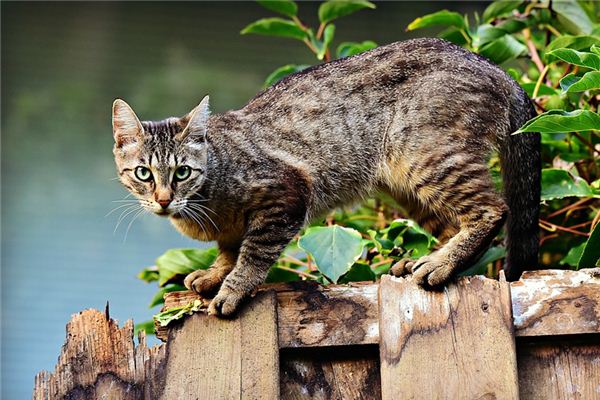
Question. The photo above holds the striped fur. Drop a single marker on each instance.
(417, 119)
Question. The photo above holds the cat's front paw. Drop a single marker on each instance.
(432, 270)
(205, 282)
(225, 303)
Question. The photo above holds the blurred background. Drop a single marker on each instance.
(62, 66)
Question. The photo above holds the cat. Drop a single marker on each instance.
(416, 119)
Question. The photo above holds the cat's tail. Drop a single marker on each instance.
(521, 174)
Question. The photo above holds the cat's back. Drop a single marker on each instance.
(383, 69)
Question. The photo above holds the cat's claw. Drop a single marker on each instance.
(205, 282)
(432, 271)
(225, 303)
(402, 267)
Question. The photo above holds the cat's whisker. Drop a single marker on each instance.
(140, 212)
(124, 215)
(117, 208)
(194, 218)
(194, 207)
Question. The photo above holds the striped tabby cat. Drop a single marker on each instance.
(416, 119)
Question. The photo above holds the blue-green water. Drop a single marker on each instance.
(62, 66)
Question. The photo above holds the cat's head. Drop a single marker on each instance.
(162, 163)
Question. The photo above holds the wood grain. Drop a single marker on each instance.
(549, 302)
(100, 361)
(312, 315)
(336, 373)
(450, 344)
(561, 370)
(211, 358)
(557, 302)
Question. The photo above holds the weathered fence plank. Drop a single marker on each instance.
(210, 358)
(333, 373)
(557, 302)
(310, 316)
(455, 344)
(100, 361)
(564, 370)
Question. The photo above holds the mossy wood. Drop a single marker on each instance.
(303, 341)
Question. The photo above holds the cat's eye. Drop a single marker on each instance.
(143, 174)
(182, 173)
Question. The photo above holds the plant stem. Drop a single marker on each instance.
(301, 273)
(320, 31)
(535, 57)
(553, 30)
(538, 84)
(294, 260)
(550, 227)
(568, 207)
(381, 262)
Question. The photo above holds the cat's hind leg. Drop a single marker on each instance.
(480, 212)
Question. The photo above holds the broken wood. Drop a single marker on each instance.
(100, 361)
(464, 332)
(304, 341)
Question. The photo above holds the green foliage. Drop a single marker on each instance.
(166, 317)
(552, 49)
(180, 262)
(334, 9)
(317, 40)
(333, 248)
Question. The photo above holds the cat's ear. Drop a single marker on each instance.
(197, 121)
(127, 128)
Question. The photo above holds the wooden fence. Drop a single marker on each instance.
(538, 338)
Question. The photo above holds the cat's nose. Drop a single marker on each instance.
(164, 203)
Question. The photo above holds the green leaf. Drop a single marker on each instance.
(333, 9)
(164, 318)
(146, 326)
(285, 7)
(562, 121)
(544, 90)
(408, 235)
(282, 72)
(591, 252)
(479, 268)
(454, 35)
(503, 49)
(583, 59)
(149, 274)
(595, 49)
(582, 42)
(573, 256)
(328, 34)
(487, 33)
(444, 18)
(333, 248)
(180, 262)
(359, 272)
(572, 83)
(499, 8)
(158, 297)
(572, 16)
(348, 49)
(558, 184)
(275, 27)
